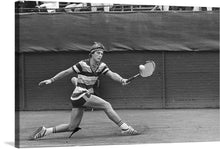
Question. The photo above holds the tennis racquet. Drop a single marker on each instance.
(145, 70)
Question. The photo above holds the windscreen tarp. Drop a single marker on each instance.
(121, 31)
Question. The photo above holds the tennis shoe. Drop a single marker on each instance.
(129, 131)
(39, 133)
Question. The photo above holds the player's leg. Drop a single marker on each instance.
(75, 119)
(97, 102)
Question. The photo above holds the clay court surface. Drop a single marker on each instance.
(157, 126)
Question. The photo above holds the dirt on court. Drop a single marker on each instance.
(157, 126)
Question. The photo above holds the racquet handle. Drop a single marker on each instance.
(132, 78)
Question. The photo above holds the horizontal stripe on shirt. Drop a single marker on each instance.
(88, 80)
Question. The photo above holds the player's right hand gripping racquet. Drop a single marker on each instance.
(145, 70)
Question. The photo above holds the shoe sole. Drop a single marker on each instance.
(130, 134)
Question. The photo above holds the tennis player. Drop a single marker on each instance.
(88, 72)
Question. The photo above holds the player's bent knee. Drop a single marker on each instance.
(71, 127)
(107, 106)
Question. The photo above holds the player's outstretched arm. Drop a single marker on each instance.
(116, 77)
(58, 76)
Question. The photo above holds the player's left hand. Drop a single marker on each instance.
(49, 81)
(124, 82)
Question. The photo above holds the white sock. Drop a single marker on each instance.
(124, 126)
(49, 131)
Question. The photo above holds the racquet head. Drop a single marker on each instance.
(148, 70)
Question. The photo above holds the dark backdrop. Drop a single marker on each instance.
(184, 46)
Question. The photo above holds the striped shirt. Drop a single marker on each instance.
(86, 77)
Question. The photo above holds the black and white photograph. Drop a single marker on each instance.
(100, 74)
